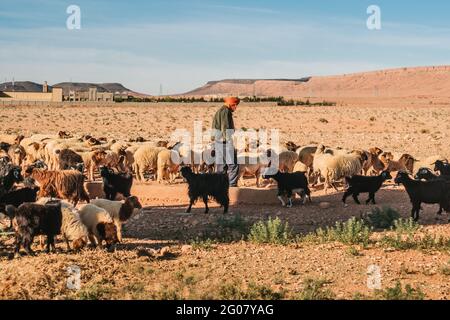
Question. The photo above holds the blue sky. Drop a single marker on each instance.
(181, 44)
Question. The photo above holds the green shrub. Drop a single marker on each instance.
(397, 293)
(353, 231)
(409, 242)
(314, 290)
(199, 244)
(271, 231)
(233, 291)
(382, 218)
(406, 226)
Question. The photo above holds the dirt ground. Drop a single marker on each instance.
(163, 256)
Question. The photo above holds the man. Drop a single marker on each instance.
(223, 127)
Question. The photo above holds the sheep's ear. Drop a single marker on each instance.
(101, 230)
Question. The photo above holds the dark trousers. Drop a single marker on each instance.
(226, 162)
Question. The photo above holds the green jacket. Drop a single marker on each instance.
(223, 121)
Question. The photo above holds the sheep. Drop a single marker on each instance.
(287, 161)
(92, 160)
(66, 184)
(114, 183)
(11, 139)
(100, 226)
(362, 184)
(168, 163)
(289, 184)
(72, 229)
(70, 160)
(120, 212)
(17, 197)
(335, 167)
(146, 158)
(34, 151)
(215, 185)
(405, 163)
(17, 154)
(442, 167)
(430, 192)
(373, 162)
(251, 165)
(34, 219)
(427, 175)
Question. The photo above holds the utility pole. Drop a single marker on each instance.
(161, 89)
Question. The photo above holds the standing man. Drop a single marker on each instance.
(223, 128)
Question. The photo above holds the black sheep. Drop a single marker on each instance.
(34, 219)
(363, 184)
(428, 175)
(430, 192)
(114, 183)
(442, 167)
(17, 197)
(288, 184)
(215, 185)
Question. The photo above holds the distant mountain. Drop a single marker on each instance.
(401, 82)
(21, 86)
(28, 86)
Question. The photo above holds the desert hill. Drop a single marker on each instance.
(404, 82)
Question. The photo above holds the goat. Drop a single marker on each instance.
(34, 219)
(430, 192)
(114, 183)
(66, 184)
(362, 184)
(427, 175)
(18, 197)
(215, 185)
(11, 174)
(289, 184)
(442, 167)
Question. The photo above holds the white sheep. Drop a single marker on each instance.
(335, 167)
(168, 164)
(146, 158)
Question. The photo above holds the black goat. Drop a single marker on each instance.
(215, 185)
(70, 160)
(13, 175)
(4, 146)
(362, 184)
(442, 167)
(428, 175)
(16, 198)
(114, 183)
(33, 219)
(430, 192)
(289, 184)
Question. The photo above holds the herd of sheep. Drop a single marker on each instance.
(36, 169)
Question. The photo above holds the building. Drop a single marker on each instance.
(91, 95)
(56, 95)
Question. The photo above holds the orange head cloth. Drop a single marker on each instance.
(232, 101)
